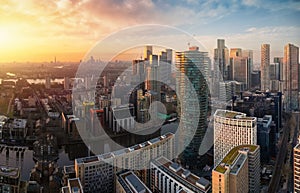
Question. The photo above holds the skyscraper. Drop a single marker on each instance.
(291, 76)
(264, 66)
(193, 65)
(147, 52)
(221, 61)
(231, 129)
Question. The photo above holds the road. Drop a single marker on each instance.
(290, 185)
(274, 184)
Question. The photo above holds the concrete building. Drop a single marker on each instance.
(121, 118)
(291, 76)
(9, 179)
(97, 173)
(170, 177)
(74, 186)
(231, 129)
(264, 66)
(258, 104)
(128, 182)
(238, 172)
(297, 168)
(265, 139)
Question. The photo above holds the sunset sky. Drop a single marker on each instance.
(39, 30)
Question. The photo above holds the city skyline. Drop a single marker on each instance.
(38, 31)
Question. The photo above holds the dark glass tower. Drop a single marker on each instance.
(192, 66)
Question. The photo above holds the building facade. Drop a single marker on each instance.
(192, 65)
(97, 173)
(264, 66)
(231, 129)
(291, 76)
(170, 177)
(238, 172)
(297, 168)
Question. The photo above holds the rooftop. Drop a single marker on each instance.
(75, 185)
(10, 172)
(69, 169)
(184, 174)
(133, 183)
(232, 156)
(229, 114)
(124, 151)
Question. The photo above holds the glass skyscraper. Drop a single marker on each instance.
(193, 67)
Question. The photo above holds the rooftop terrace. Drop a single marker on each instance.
(231, 157)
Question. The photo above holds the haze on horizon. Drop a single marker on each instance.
(39, 30)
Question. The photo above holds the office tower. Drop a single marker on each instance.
(297, 168)
(221, 61)
(194, 66)
(128, 182)
(138, 72)
(165, 66)
(279, 60)
(231, 129)
(9, 179)
(221, 58)
(264, 66)
(238, 172)
(48, 82)
(66, 83)
(291, 76)
(274, 71)
(121, 118)
(73, 186)
(264, 137)
(96, 173)
(170, 177)
(249, 55)
(235, 52)
(147, 52)
(240, 70)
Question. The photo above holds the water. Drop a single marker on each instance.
(36, 81)
(27, 164)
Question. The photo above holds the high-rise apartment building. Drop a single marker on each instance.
(297, 168)
(231, 129)
(238, 172)
(97, 173)
(264, 66)
(291, 76)
(169, 177)
(192, 65)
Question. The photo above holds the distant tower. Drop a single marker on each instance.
(221, 61)
(48, 82)
(264, 66)
(66, 83)
(147, 52)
